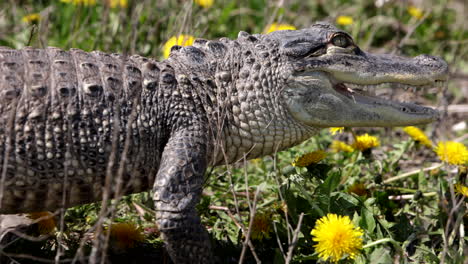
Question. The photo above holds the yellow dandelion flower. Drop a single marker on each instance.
(256, 161)
(45, 221)
(117, 3)
(181, 40)
(452, 152)
(261, 226)
(358, 189)
(417, 135)
(461, 189)
(338, 146)
(125, 235)
(309, 158)
(336, 237)
(204, 3)
(364, 142)
(31, 18)
(277, 26)
(335, 130)
(344, 20)
(415, 12)
(80, 2)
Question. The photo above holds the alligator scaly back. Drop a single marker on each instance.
(61, 115)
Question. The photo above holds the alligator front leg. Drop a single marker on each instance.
(177, 191)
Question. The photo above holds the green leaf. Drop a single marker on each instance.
(319, 170)
(367, 221)
(422, 181)
(311, 200)
(330, 183)
(350, 200)
(278, 259)
(380, 256)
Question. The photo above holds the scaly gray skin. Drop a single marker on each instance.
(69, 118)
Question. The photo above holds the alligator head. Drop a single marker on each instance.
(328, 75)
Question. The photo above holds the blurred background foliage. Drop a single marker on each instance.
(409, 27)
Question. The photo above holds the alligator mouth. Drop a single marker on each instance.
(385, 93)
(320, 99)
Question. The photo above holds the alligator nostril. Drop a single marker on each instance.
(425, 57)
(430, 61)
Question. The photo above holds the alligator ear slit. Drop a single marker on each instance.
(304, 50)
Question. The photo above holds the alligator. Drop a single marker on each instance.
(72, 122)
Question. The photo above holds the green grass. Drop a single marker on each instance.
(413, 219)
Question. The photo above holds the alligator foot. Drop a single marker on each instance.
(177, 190)
(186, 239)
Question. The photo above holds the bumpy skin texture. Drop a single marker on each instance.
(65, 117)
(73, 122)
(62, 115)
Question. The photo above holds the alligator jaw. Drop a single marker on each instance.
(362, 70)
(319, 99)
(365, 95)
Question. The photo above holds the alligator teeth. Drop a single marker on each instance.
(440, 84)
(384, 90)
(403, 86)
(344, 88)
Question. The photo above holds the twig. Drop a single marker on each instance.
(449, 227)
(456, 108)
(281, 197)
(31, 34)
(253, 211)
(295, 238)
(279, 241)
(239, 225)
(410, 32)
(407, 174)
(410, 196)
(247, 233)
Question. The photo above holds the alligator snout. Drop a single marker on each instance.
(434, 63)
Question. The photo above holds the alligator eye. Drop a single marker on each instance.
(341, 40)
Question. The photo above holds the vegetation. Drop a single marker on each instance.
(382, 196)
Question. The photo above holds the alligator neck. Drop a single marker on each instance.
(240, 87)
